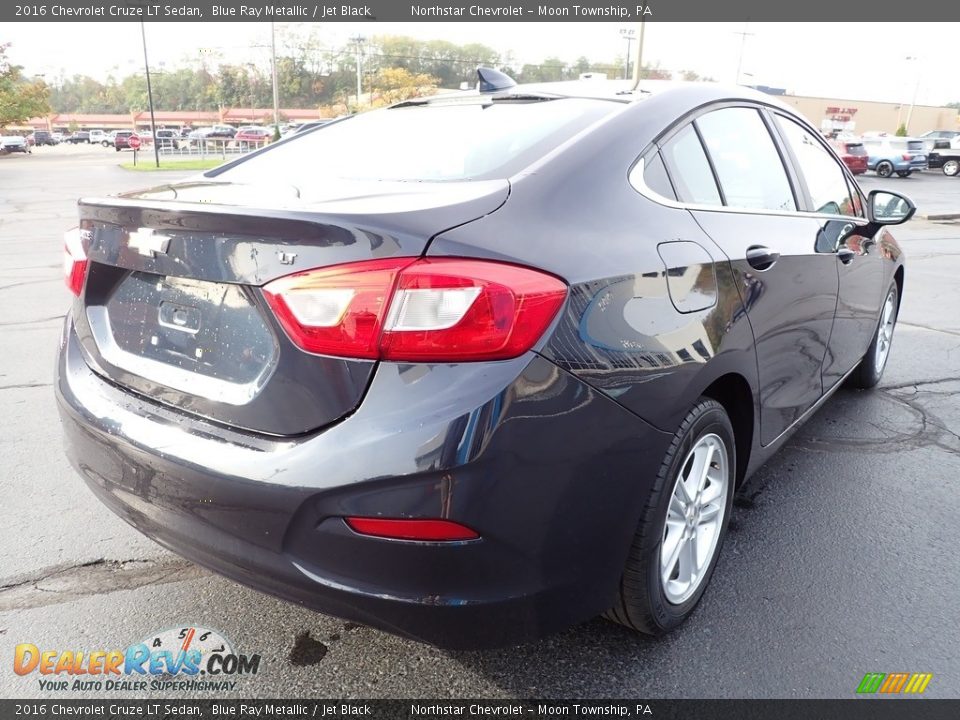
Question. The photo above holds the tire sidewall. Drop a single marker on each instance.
(713, 420)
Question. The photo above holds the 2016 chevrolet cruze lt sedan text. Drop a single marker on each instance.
(475, 367)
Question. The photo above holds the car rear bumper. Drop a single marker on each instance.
(550, 473)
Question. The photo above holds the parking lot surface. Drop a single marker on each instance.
(842, 557)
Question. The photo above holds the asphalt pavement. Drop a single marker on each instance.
(842, 557)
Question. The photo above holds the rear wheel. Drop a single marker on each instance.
(884, 168)
(951, 167)
(871, 367)
(682, 527)
(904, 173)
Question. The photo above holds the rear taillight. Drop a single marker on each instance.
(411, 529)
(74, 261)
(908, 158)
(429, 310)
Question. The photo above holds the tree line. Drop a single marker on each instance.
(309, 75)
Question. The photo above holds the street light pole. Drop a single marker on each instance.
(913, 101)
(153, 122)
(743, 42)
(358, 41)
(276, 100)
(627, 34)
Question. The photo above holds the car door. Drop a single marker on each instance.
(788, 289)
(833, 196)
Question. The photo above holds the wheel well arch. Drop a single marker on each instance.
(898, 279)
(733, 392)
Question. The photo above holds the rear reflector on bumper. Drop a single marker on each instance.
(426, 310)
(411, 529)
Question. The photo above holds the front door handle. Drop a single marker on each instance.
(846, 255)
(761, 258)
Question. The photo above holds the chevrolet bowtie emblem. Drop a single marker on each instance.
(146, 242)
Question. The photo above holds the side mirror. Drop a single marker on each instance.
(885, 207)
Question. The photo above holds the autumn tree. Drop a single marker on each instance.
(20, 98)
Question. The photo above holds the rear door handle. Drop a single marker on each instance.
(761, 258)
(846, 255)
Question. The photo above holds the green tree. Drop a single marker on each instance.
(20, 98)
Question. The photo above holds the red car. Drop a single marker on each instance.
(853, 154)
(253, 135)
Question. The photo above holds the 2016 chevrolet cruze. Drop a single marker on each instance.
(475, 367)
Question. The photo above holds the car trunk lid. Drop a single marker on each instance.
(172, 306)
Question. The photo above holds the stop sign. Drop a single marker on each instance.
(134, 141)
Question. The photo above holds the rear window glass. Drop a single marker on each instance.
(689, 168)
(856, 149)
(444, 142)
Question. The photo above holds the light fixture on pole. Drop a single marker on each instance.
(627, 34)
(153, 122)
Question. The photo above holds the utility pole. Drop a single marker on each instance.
(153, 122)
(276, 99)
(743, 42)
(358, 41)
(916, 89)
(627, 34)
(638, 65)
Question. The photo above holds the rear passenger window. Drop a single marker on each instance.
(655, 177)
(692, 179)
(747, 162)
(826, 180)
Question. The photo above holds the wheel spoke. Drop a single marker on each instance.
(688, 561)
(677, 508)
(709, 513)
(671, 552)
(705, 471)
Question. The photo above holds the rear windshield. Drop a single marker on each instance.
(856, 149)
(478, 140)
(915, 145)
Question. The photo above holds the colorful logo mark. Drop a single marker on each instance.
(894, 683)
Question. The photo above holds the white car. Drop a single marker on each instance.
(14, 143)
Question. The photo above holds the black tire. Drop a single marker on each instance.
(884, 168)
(869, 372)
(641, 602)
(904, 173)
(951, 167)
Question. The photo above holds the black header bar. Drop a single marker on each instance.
(481, 11)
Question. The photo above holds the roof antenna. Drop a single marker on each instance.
(491, 81)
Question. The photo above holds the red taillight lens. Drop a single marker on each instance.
(74, 261)
(337, 310)
(411, 529)
(908, 158)
(430, 310)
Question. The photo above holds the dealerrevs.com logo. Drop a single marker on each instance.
(178, 659)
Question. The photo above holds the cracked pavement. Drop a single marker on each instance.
(842, 556)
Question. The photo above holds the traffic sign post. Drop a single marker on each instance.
(134, 142)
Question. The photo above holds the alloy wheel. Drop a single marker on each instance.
(694, 519)
(885, 331)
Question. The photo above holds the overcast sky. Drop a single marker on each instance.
(842, 60)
